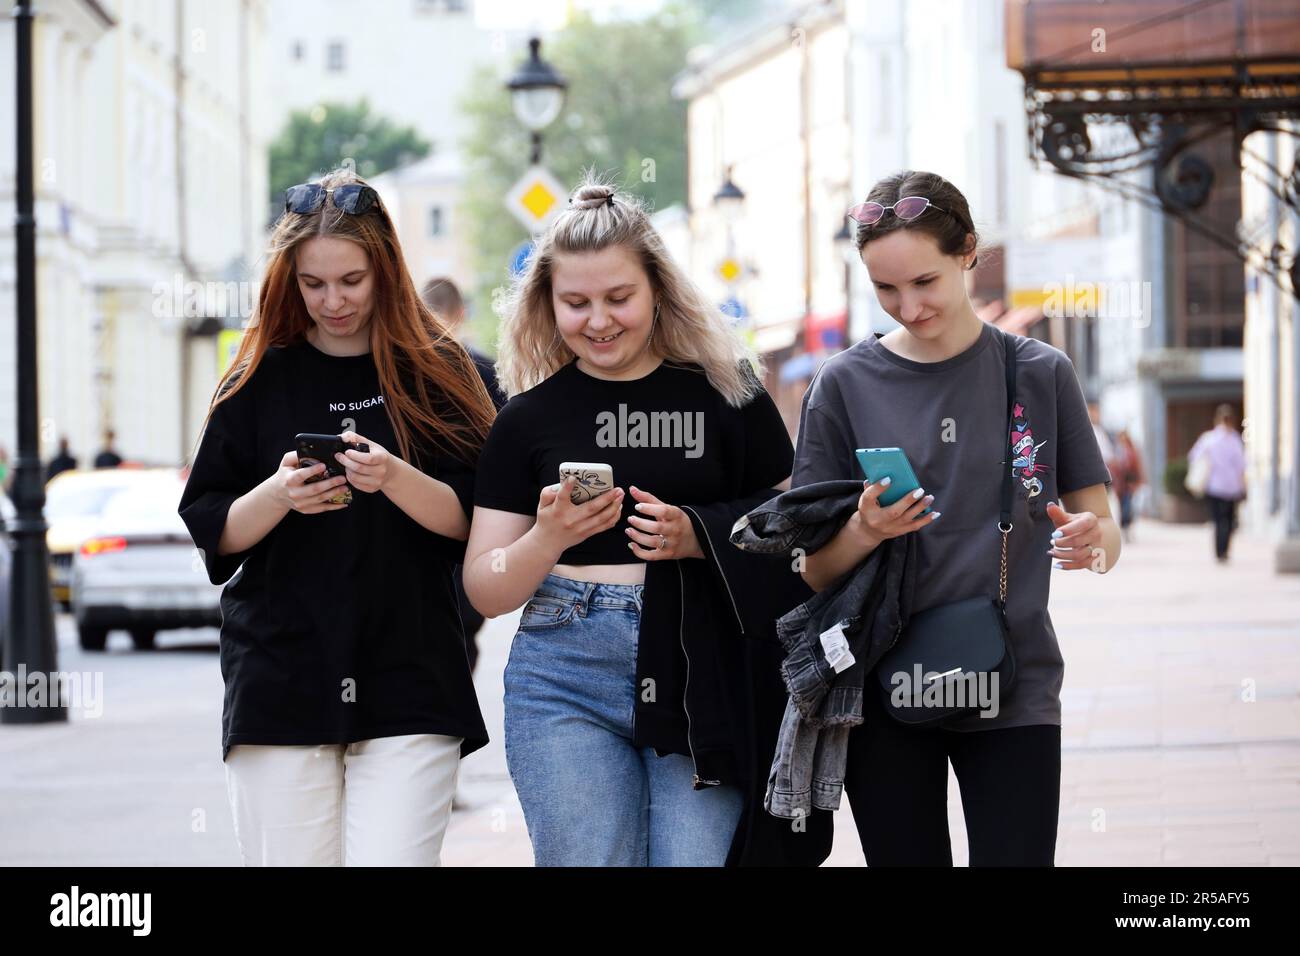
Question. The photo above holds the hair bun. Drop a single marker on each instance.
(592, 196)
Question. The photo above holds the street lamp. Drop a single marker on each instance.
(537, 95)
(729, 199)
(29, 643)
(843, 241)
(844, 245)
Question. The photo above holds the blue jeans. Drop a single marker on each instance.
(591, 798)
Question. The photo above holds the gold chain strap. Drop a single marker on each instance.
(1002, 579)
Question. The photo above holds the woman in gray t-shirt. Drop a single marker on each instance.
(935, 388)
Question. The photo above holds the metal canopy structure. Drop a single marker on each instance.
(1113, 88)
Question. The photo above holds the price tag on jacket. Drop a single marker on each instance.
(836, 648)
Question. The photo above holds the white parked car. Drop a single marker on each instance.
(138, 570)
(73, 502)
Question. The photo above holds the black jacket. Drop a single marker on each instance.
(708, 639)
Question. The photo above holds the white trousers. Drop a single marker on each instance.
(381, 802)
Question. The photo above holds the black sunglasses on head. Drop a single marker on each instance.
(355, 199)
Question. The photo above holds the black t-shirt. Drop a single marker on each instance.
(669, 433)
(340, 626)
(487, 371)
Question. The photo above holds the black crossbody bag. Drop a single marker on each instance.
(965, 641)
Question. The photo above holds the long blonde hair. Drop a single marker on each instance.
(411, 347)
(690, 329)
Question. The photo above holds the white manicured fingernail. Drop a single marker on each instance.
(918, 493)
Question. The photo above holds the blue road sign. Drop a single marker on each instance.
(519, 258)
(734, 308)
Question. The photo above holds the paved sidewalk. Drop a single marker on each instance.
(1164, 763)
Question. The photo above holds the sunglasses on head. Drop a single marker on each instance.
(354, 199)
(906, 209)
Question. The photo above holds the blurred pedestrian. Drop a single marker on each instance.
(444, 299)
(4, 469)
(1225, 486)
(1128, 477)
(1106, 445)
(349, 700)
(63, 461)
(108, 457)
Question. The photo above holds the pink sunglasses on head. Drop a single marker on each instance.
(906, 209)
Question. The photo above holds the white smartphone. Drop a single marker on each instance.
(591, 478)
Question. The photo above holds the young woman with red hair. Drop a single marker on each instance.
(348, 699)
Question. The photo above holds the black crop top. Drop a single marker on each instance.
(669, 433)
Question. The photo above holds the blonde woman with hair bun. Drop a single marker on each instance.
(632, 707)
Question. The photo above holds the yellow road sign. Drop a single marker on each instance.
(535, 199)
(729, 269)
(227, 345)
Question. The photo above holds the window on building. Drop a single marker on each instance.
(335, 60)
(435, 221)
(1210, 284)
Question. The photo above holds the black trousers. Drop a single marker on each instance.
(897, 784)
(1223, 512)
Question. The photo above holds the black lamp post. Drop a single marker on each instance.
(843, 243)
(843, 240)
(729, 199)
(537, 95)
(30, 639)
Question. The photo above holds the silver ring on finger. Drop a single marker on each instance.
(663, 542)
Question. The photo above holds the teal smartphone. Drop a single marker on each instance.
(892, 462)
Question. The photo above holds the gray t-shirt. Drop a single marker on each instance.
(949, 418)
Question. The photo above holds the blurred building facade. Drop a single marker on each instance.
(150, 176)
(1203, 101)
(412, 65)
(1272, 351)
(809, 112)
(769, 112)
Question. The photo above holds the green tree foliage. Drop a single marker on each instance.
(316, 140)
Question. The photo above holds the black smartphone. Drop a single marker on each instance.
(320, 449)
